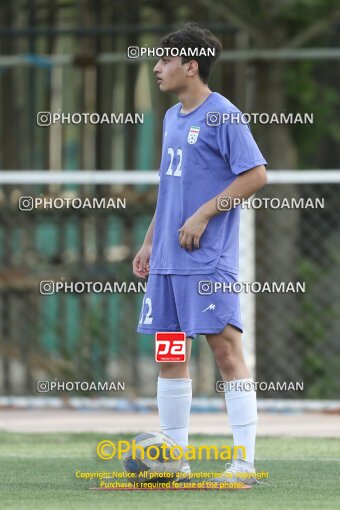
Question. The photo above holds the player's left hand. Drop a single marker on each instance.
(191, 232)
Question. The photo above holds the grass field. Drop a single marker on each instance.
(38, 472)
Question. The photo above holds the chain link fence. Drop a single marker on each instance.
(91, 335)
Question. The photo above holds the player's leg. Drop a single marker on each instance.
(217, 315)
(174, 391)
(174, 395)
(239, 395)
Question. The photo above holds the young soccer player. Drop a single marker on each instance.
(190, 240)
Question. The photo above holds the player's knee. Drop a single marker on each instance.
(226, 352)
(171, 370)
(165, 367)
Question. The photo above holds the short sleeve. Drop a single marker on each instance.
(238, 147)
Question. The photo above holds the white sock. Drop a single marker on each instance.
(174, 401)
(242, 412)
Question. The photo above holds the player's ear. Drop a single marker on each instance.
(192, 68)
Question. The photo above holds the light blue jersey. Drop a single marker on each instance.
(198, 162)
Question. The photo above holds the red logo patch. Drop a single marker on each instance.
(170, 346)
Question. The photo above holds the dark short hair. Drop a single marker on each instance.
(193, 36)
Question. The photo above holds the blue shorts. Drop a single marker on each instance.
(190, 303)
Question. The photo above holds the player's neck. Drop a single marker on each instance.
(193, 98)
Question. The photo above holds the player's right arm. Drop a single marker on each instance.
(141, 262)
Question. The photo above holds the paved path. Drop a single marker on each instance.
(61, 420)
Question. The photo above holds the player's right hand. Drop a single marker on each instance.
(140, 264)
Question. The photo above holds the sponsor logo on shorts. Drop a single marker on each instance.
(210, 307)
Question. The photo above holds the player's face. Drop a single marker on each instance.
(171, 74)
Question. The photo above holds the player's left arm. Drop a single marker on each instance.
(243, 187)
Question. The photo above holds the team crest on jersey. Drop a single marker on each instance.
(193, 134)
